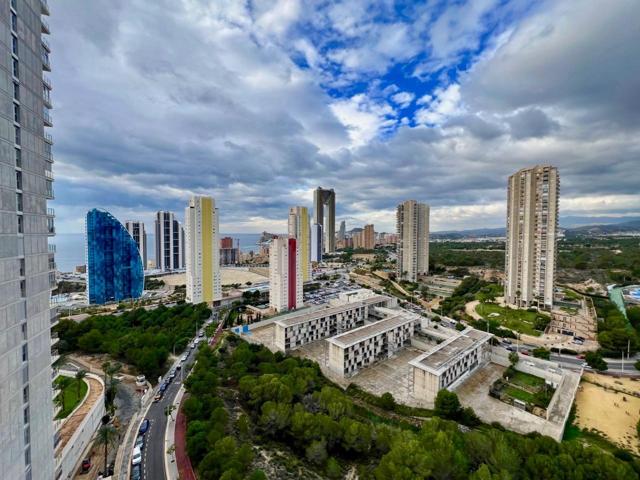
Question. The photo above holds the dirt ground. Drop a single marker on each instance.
(610, 409)
(229, 276)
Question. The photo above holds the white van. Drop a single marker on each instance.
(137, 456)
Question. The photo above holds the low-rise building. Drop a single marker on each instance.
(448, 363)
(360, 347)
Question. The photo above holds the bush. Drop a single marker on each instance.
(595, 361)
(387, 401)
(542, 352)
(447, 405)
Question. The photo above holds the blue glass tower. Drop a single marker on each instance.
(114, 265)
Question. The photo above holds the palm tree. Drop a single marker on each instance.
(58, 400)
(80, 376)
(107, 436)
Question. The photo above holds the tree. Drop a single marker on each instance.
(80, 376)
(107, 436)
(637, 365)
(387, 401)
(316, 452)
(333, 468)
(447, 405)
(595, 361)
(542, 352)
(514, 358)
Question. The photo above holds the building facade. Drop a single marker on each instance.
(322, 199)
(139, 235)
(448, 364)
(285, 274)
(202, 252)
(170, 242)
(342, 231)
(114, 264)
(369, 237)
(299, 229)
(27, 268)
(316, 243)
(229, 251)
(532, 226)
(412, 225)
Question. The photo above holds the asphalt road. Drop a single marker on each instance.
(153, 453)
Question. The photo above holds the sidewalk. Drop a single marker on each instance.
(171, 467)
(185, 470)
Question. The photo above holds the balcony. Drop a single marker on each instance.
(54, 355)
(54, 338)
(45, 45)
(46, 65)
(46, 116)
(44, 7)
(48, 138)
(48, 174)
(46, 81)
(52, 281)
(54, 316)
(45, 27)
(52, 248)
(46, 98)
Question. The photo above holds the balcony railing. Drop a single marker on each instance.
(45, 44)
(52, 248)
(46, 98)
(51, 212)
(44, 7)
(47, 82)
(48, 138)
(46, 66)
(45, 26)
(48, 174)
(46, 116)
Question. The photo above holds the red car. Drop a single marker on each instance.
(580, 357)
(86, 465)
(525, 352)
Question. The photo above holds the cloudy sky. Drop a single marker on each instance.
(257, 103)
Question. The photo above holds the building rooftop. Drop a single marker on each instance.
(308, 314)
(360, 334)
(447, 352)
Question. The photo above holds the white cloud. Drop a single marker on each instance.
(364, 118)
(403, 99)
(446, 103)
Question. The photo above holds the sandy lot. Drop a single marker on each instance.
(609, 409)
(229, 276)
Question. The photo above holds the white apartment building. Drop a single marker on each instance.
(532, 226)
(296, 329)
(366, 296)
(139, 235)
(316, 243)
(285, 274)
(358, 348)
(299, 229)
(27, 264)
(170, 242)
(412, 225)
(203, 251)
(448, 364)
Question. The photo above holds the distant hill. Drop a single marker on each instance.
(607, 229)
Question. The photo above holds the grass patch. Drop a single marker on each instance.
(526, 380)
(519, 394)
(523, 321)
(70, 394)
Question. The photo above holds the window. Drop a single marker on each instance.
(25, 353)
(14, 22)
(27, 435)
(25, 394)
(23, 327)
(20, 227)
(16, 68)
(14, 4)
(27, 456)
(18, 158)
(14, 45)
(16, 91)
(16, 113)
(19, 179)
(23, 288)
(17, 135)
(19, 202)
(25, 415)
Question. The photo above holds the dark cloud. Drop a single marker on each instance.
(531, 123)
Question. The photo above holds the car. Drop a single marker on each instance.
(584, 365)
(163, 387)
(136, 458)
(136, 472)
(511, 349)
(144, 426)
(141, 380)
(525, 352)
(172, 374)
(178, 367)
(201, 334)
(86, 465)
(157, 398)
(580, 357)
(140, 442)
(507, 341)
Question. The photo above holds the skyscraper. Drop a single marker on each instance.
(532, 225)
(342, 233)
(369, 237)
(170, 242)
(299, 229)
(229, 251)
(27, 268)
(316, 243)
(203, 250)
(139, 235)
(285, 274)
(322, 198)
(412, 224)
(114, 264)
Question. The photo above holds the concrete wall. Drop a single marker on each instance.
(425, 386)
(541, 368)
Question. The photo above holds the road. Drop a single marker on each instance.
(153, 454)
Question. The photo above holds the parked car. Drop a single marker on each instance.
(580, 357)
(157, 398)
(525, 352)
(172, 374)
(163, 387)
(178, 367)
(184, 358)
(139, 442)
(86, 465)
(144, 426)
(584, 365)
(137, 456)
(141, 380)
(136, 472)
(507, 341)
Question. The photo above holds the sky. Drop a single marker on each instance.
(257, 103)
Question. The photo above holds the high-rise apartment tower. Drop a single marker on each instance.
(299, 229)
(139, 235)
(316, 243)
(325, 198)
(412, 224)
(285, 274)
(170, 242)
(27, 268)
(369, 237)
(532, 225)
(203, 250)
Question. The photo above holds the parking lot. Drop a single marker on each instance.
(328, 290)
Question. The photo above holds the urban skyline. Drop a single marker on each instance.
(388, 120)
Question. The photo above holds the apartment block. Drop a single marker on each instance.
(285, 274)
(229, 251)
(139, 235)
(358, 348)
(449, 363)
(299, 328)
(203, 251)
(27, 263)
(412, 225)
(324, 213)
(532, 228)
(316, 243)
(170, 242)
(369, 237)
(299, 229)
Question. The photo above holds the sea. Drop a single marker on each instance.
(70, 247)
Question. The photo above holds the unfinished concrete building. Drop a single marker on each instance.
(360, 347)
(449, 363)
